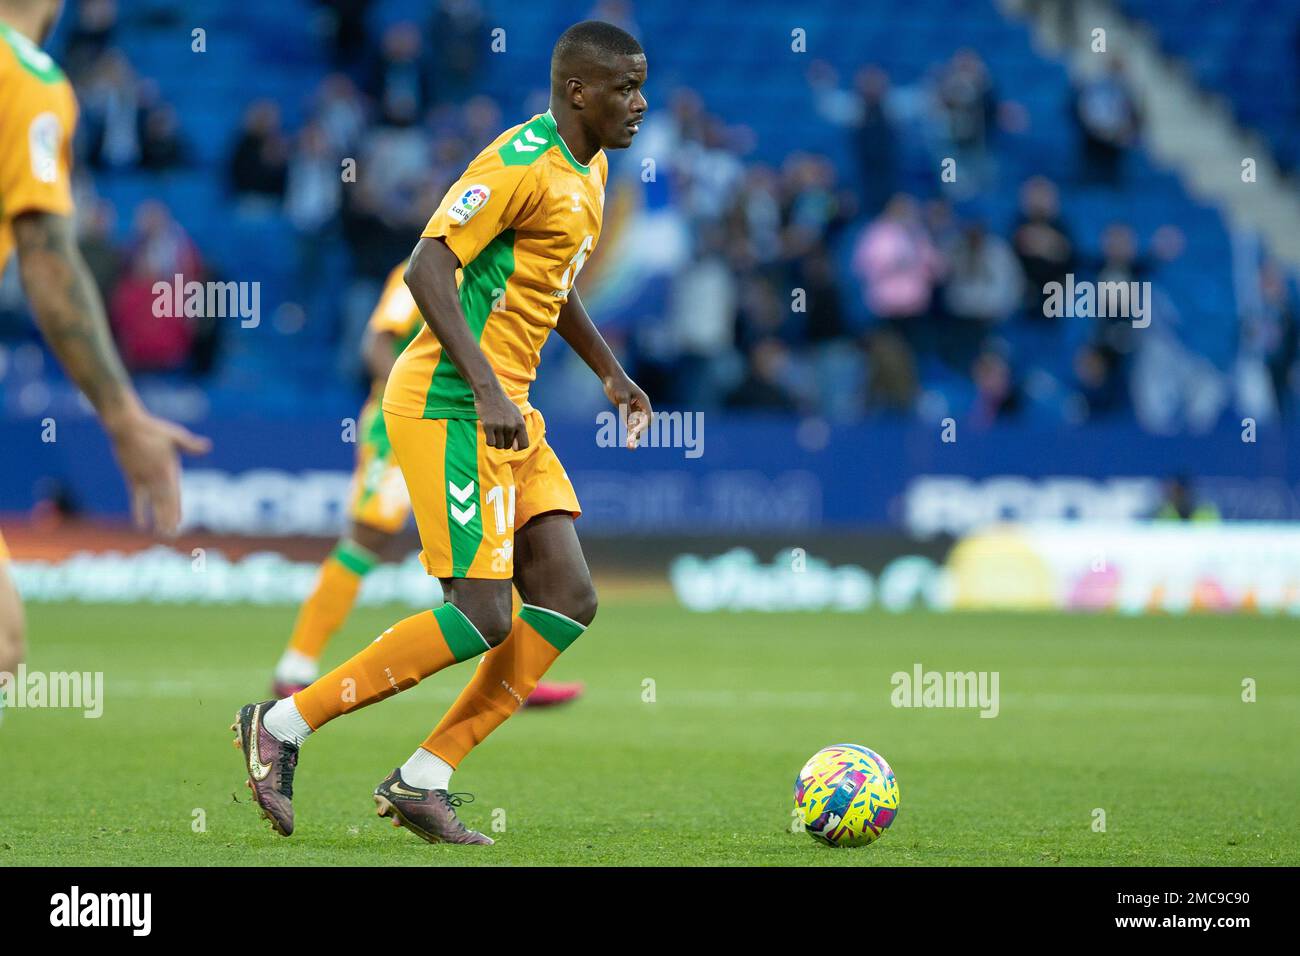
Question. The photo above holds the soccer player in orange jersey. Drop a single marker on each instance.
(379, 507)
(493, 275)
(38, 114)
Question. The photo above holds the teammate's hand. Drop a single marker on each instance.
(148, 451)
(503, 423)
(625, 393)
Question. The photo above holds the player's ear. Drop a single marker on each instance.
(575, 89)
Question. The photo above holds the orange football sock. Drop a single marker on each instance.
(504, 678)
(399, 658)
(331, 600)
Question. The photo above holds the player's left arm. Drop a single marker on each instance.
(576, 328)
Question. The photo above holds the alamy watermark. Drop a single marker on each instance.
(75, 690)
(216, 300)
(954, 689)
(1098, 300)
(665, 430)
(74, 908)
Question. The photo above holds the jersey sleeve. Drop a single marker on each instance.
(396, 310)
(36, 157)
(489, 198)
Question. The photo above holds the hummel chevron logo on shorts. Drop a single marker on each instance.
(463, 515)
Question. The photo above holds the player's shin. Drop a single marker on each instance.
(502, 681)
(399, 658)
(328, 605)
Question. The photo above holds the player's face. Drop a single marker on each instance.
(617, 104)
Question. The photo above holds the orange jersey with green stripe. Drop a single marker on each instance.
(38, 114)
(522, 220)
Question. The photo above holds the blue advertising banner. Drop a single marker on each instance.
(718, 474)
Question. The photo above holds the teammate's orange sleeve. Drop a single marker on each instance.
(36, 152)
(489, 198)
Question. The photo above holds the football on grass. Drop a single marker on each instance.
(846, 795)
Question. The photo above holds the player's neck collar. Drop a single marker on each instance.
(549, 119)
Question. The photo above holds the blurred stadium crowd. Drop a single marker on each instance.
(824, 264)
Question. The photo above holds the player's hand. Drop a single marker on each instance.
(625, 393)
(148, 450)
(503, 423)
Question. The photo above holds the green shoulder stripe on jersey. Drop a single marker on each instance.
(462, 637)
(31, 57)
(482, 281)
(556, 629)
(528, 145)
(460, 469)
(532, 142)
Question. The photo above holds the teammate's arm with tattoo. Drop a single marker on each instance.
(69, 312)
(70, 315)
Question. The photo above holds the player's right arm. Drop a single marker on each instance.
(70, 315)
(490, 197)
(431, 277)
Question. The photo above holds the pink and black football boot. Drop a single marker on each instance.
(270, 765)
(429, 814)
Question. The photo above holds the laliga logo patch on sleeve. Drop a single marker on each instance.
(470, 202)
(43, 137)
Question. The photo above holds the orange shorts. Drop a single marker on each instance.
(378, 499)
(4, 549)
(469, 499)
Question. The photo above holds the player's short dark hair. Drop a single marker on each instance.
(592, 41)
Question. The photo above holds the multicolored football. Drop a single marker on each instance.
(846, 795)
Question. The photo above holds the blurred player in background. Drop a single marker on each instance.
(378, 508)
(493, 274)
(38, 116)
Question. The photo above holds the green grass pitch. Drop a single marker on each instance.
(1141, 718)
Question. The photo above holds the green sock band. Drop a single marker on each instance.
(462, 637)
(360, 561)
(556, 629)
